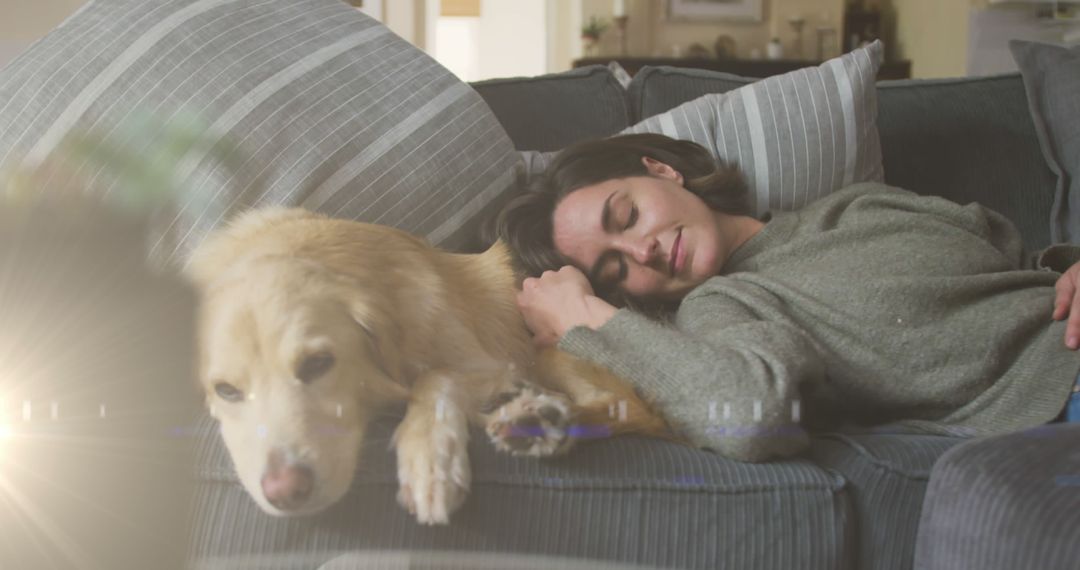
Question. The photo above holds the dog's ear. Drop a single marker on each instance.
(384, 338)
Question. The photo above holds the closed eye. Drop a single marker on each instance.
(228, 392)
(632, 219)
(314, 366)
(601, 274)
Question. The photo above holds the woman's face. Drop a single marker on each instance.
(646, 235)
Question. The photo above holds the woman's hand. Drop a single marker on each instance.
(558, 301)
(1068, 304)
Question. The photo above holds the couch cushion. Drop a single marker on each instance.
(887, 476)
(1052, 78)
(626, 499)
(655, 90)
(551, 111)
(446, 560)
(330, 109)
(1004, 502)
(969, 140)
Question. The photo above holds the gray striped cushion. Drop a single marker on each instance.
(1052, 78)
(627, 499)
(797, 136)
(329, 110)
(887, 474)
(1004, 502)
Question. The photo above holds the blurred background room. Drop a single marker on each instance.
(485, 39)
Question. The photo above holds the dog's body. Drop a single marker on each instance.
(310, 326)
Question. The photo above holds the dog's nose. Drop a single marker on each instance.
(286, 485)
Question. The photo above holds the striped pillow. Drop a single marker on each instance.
(797, 136)
(328, 109)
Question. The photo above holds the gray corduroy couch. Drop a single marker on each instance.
(854, 501)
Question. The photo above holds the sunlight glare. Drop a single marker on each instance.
(6, 434)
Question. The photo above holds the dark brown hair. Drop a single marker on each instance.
(525, 223)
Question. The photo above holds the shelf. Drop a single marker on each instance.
(742, 67)
(1044, 2)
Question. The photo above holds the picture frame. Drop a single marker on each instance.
(689, 11)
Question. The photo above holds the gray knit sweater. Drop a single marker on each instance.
(870, 306)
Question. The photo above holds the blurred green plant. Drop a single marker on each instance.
(594, 28)
(141, 160)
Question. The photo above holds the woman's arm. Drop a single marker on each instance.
(725, 379)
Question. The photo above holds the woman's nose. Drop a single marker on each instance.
(642, 250)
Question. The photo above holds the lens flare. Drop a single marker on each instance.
(6, 431)
(6, 434)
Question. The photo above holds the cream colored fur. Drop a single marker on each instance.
(405, 322)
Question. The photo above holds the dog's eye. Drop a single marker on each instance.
(228, 392)
(314, 366)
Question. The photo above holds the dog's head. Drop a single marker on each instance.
(295, 359)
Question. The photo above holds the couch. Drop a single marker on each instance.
(856, 500)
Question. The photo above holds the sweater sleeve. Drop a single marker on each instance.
(725, 379)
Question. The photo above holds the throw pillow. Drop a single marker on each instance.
(328, 109)
(1052, 80)
(796, 136)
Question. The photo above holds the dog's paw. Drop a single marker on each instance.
(532, 423)
(433, 467)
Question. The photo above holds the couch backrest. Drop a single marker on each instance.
(552, 111)
(969, 139)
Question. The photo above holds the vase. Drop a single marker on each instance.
(590, 45)
(774, 49)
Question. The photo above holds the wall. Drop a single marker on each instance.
(564, 33)
(933, 34)
(25, 21)
(513, 38)
(455, 46)
(991, 30)
(967, 37)
(507, 39)
(406, 19)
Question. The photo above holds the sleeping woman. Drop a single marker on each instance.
(870, 306)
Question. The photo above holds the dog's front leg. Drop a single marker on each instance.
(431, 443)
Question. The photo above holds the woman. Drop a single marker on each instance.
(872, 305)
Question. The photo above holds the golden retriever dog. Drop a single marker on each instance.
(309, 327)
